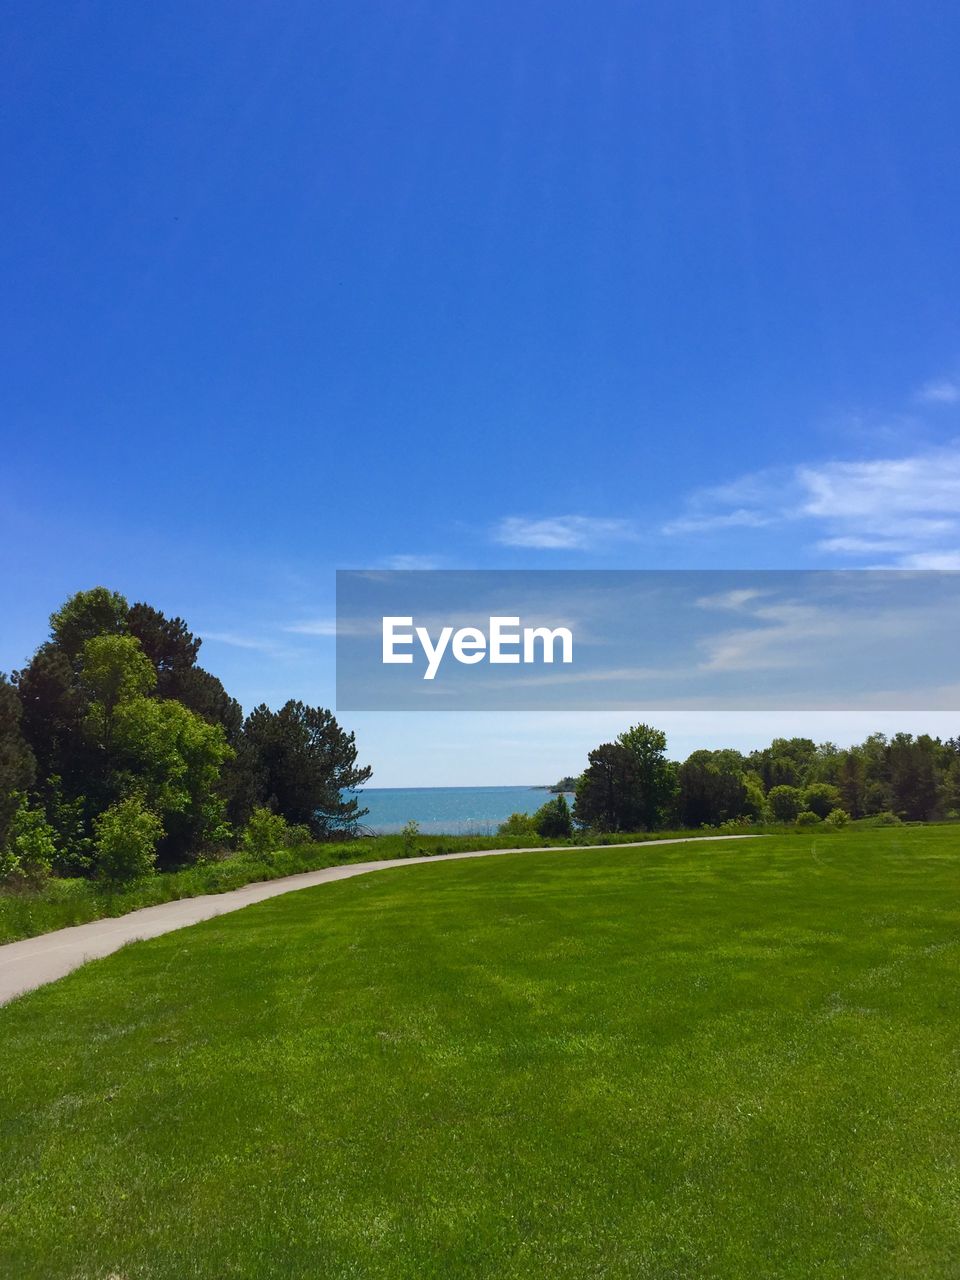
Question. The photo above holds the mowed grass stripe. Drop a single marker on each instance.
(735, 1059)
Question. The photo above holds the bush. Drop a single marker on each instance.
(553, 821)
(837, 818)
(821, 798)
(518, 824)
(785, 803)
(126, 841)
(885, 819)
(265, 834)
(409, 837)
(30, 848)
(807, 818)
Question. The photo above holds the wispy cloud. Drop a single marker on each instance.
(313, 627)
(939, 391)
(904, 511)
(237, 641)
(562, 533)
(413, 562)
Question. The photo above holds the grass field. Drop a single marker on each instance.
(724, 1060)
(59, 903)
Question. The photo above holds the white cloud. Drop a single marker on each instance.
(906, 509)
(940, 391)
(736, 600)
(562, 533)
(313, 627)
(412, 562)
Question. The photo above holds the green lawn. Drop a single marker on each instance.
(736, 1060)
(59, 903)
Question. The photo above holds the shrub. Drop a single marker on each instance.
(821, 798)
(785, 803)
(735, 824)
(885, 819)
(126, 841)
(837, 818)
(552, 820)
(518, 824)
(807, 818)
(409, 837)
(30, 848)
(265, 834)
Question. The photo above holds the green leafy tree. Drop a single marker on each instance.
(304, 766)
(807, 818)
(174, 758)
(656, 782)
(821, 797)
(85, 615)
(552, 820)
(785, 803)
(126, 841)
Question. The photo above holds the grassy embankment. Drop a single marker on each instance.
(720, 1060)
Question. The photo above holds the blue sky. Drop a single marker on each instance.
(294, 288)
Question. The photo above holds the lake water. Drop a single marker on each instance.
(447, 810)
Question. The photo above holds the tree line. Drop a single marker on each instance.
(631, 785)
(119, 752)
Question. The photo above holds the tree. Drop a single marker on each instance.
(609, 789)
(786, 762)
(173, 758)
(85, 615)
(785, 803)
(53, 710)
(17, 763)
(713, 789)
(655, 775)
(552, 820)
(914, 775)
(852, 784)
(126, 841)
(114, 670)
(167, 643)
(821, 797)
(304, 765)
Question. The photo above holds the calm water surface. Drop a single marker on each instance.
(450, 810)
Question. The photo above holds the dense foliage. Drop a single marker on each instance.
(119, 754)
(631, 785)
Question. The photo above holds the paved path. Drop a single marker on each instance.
(35, 961)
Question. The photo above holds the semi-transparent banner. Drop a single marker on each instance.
(577, 640)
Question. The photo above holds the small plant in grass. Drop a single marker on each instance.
(409, 837)
(126, 841)
(837, 818)
(265, 834)
(30, 848)
(807, 818)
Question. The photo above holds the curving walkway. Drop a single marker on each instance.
(35, 961)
